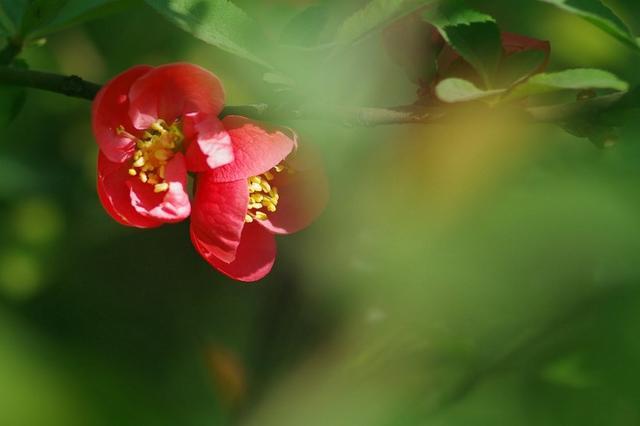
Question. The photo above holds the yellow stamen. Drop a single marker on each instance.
(162, 155)
(154, 150)
(263, 196)
(161, 187)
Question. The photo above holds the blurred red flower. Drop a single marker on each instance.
(155, 125)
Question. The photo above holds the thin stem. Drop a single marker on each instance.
(71, 85)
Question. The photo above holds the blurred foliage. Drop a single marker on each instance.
(479, 272)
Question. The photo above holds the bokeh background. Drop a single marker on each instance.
(483, 272)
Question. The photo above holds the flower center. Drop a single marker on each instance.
(263, 197)
(158, 145)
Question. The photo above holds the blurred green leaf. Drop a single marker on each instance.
(574, 79)
(474, 35)
(217, 22)
(11, 102)
(40, 17)
(6, 26)
(305, 28)
(13, 10)
(77, 11)
(39, 13)
(458, 90)
(375, 16)
(599, 15)
(518, 66)
(583, 106)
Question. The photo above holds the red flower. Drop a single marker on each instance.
(285, 193)
(140, 120)
(155, 125)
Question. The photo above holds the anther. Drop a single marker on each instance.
(162, 155)
(161, 187)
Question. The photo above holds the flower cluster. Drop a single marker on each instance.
(156, 126)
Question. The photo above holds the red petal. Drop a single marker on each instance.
(255, 150)
(514, 43)
(110, 110)
(170, 206)
(218, 215)
(254, 258)
(113, 191)
(303, 194)
(173, 90)
(209, 144)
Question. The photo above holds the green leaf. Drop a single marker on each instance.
(599, 15)
(14, 11)
(474, 35)
(519, 66)
(40, 17)
(39, 13)
(217, 22)
(6, 25)
(577, 108)
(374, 16)
(575, 79)
(305, 28)
(77, 11)
(454, 90)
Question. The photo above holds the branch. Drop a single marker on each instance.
(348, 116)
(76, 87)
(71, 85)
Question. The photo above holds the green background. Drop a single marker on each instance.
(483, 272)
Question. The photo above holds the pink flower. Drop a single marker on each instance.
(154, 126)
(285, 192)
